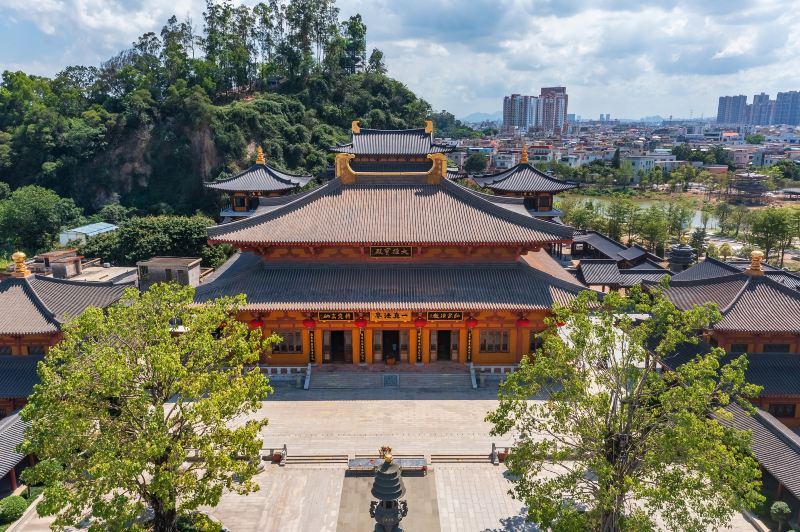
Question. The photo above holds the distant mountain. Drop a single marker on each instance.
(476, 118)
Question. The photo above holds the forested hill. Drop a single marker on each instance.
(188, 104)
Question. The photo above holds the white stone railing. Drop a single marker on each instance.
(302, 374)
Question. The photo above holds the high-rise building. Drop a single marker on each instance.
(553, 110)
(519, 112)
(732, 110)
(787, 108)
(761, 110)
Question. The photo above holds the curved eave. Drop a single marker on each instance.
(282, 181)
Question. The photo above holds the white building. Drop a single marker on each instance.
(85, 232)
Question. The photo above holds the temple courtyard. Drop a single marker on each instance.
(321, 428)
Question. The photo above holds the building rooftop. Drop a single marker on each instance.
(272, 286)
(409, 142)
(18, 374)
(261, 178)
(748, 303)
(607, 272)
(41, 304)
(12, 432)
(522, 178)
(93, 229)
(390, 214)
(187, 262)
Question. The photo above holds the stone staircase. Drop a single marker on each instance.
(361, 380)
(316, 459)
(461, 459)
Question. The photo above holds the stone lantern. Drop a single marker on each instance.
(388, 510)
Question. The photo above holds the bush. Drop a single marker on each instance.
(780, 512)
(198, 522)
(12, 508)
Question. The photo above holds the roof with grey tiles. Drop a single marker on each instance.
(523, 177)
(39, 305)
(261, 177)
(12, 432)
(608, 272)
(390, 214)
(415, 286)
(747, 303)
(706, 269)
(18, 375)
(411, 142)
(775, 447)
(611, 248)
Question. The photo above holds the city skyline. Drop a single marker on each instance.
(675, 59)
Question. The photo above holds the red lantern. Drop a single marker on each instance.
(523, 322)
(256, 323)
(420, 322)
(560, 324)
(360, 322)
(471, 322)
(309, 323)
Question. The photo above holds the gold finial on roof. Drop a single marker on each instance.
(429, 126)
(260, 156)
(523, 158)
(388, 458)
(755, 263)
(20, 269)
(356, 126)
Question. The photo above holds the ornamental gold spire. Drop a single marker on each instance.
(755, 263)
(260, 156)
(356, 127)
(523, 158)
(429, 126)
(20, 268)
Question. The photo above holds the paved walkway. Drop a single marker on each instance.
(460, 497)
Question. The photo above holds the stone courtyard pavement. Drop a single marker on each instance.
(320, 497)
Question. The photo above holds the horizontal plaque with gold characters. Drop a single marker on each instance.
(390, 251)
(390, 315)
(445, 315)
(335, 316)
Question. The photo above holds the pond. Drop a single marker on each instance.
(645, 204)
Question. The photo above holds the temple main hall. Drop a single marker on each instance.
(392, 262)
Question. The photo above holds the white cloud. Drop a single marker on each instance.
(625, 57)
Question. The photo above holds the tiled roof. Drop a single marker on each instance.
(414, 142)
(632, 253)
(260, 177)
(747, 303)
(775, 447)
(21, 311)
(414, 286)
(18, 375)
(776, 373)
(610, 247)
(608, 272)
(523, 177)
(705, 270)
(12, 432)
(776, 274)
(390, 214)
(763, 305)
(38, 304)
(600, 271)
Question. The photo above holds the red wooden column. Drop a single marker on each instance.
(13, 475)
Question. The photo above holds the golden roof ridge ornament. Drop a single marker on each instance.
(429, 126)
(523, 157)
(356, 127)
(260, 155)
(755, 268)
(20, 268)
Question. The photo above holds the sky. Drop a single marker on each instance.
(628, 58)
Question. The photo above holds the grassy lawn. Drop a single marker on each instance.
(30, 497)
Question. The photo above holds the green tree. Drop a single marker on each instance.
(725, 251)
(771, 227)
(780, 512)
(698, 241)
(123, 401)
(32, 217)
(755, 138)
(653, 227)
(712, 251)
(615, 159)
(616, 429)
(145, 237)
(376, 64)
(476, 163)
